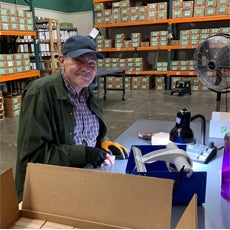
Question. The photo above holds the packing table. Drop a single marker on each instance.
(215, 212)
(116, 72)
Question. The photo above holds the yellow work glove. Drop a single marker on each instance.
(115, 149)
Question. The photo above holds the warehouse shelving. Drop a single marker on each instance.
(67, 32)
(199, 19)
(95, 1)
(17, 33)
(169, 48)
(152, 48)
(49, 40)
(128, 24)
(147, 48)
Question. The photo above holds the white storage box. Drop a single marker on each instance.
(219, 124)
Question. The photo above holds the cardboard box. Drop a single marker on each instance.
(219, 124)
(177, 4)
(210, 11)
(159, 87)
(91, 199)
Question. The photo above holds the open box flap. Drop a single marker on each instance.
(110, 198)
(189, 217)
(8, 199)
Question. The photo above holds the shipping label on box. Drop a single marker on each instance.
(219, 124)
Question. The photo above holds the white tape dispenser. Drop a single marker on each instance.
(170, 154)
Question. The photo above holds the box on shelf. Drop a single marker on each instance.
(12, 105)
(159, 87)
(98, 6)
(91, 199)
(66, 24)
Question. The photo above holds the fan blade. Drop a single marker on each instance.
(204, 54)
(218, 77)
(223, 58)
(223, 63)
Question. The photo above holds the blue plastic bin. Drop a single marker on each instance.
(184, 188)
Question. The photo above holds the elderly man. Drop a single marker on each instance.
(60, 122)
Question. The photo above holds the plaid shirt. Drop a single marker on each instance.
(86, 128)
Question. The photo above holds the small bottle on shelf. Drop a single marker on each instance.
(225, 173)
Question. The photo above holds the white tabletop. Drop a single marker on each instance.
(215, 212)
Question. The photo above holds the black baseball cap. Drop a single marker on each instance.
(78, 45)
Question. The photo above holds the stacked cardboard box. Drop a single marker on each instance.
(12, 105)
(113, 82)
(162, 66)
(196, 36)
(159, 83)
(158, 38)
(14, 63)
(122, 12)
(162, 10)
(131, 64)
(182, 65)
(120, 40)
(182, 9)
(135, 64)
(142, 83)
(196, 84)
(13, 19)
(155, 38)
(136, 39)
(200, 8)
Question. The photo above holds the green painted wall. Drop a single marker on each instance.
(68, 6)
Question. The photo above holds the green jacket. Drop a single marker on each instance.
(46, 128)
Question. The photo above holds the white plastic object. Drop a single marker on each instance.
(171, 154)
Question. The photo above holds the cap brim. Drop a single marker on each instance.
(77, 53)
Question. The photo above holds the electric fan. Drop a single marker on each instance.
(212, 63)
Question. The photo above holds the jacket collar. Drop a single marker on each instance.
(60, 86)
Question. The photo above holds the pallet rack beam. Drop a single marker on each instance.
(17, 76)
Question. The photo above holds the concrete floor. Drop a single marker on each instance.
(119, 115)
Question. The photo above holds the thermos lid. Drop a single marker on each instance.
(227, 140)
(227, 136)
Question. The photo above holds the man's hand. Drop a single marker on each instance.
(110, 160)
(116, 149)
(95, 156)
(98, 157)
